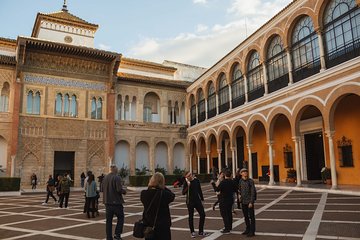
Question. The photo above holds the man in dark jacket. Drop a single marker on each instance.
(113, 200)
(227, 188)
(64, 191)
(194, 198)
(248, 196)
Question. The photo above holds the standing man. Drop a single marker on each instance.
(50, 187)
(227, 189)
(248, 197)
(113, 200)
(64, 191)
(194, 198)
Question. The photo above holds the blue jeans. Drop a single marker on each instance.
(118, 211)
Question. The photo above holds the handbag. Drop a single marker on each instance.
(140, 230)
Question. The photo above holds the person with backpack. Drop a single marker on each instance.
(64, 191)
(50, 187)
(248, 197)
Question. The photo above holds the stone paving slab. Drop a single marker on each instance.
(340, 229)
(342, 216)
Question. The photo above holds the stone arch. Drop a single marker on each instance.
(161, 155)
(122, 154)
(293, 20)
(238, 124)
(179, 156)
(320, 10)
(201, 136)
(152, 101)
(142, 155)
(29, 165)
(251, 124)
(252, 49)
(192, 145)
(300, 106)
(274, 32)
(273, 115)
(207, 86)
(230, 70)
(221, 131)
(334, 97)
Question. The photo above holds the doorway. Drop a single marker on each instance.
(314, 152)
(64, 163)
(254, 162)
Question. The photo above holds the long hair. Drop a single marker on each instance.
(91, 178)
(157, 181)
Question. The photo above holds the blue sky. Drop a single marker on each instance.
(197, 32)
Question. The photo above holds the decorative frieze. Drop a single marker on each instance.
(61, 82)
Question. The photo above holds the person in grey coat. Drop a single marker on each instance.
(113, 200)
(248, 196)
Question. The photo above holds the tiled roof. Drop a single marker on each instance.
(152, 80)
(64, 15)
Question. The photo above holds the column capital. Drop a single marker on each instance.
(296, 138)
(219, 151)
(233, 149)
(208, 152)
(270, 143)
(249, 145)
(330, 134)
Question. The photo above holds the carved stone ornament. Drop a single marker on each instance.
(344, 142)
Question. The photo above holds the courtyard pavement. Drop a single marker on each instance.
(280, 214)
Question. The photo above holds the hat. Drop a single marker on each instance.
(243, 170)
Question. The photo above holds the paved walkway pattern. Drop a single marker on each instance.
(281, 214)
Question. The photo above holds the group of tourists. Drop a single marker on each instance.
(156, 199)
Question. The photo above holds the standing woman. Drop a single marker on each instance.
(90, 190)
(156, 200)
(33, 181)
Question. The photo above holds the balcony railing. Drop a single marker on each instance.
(278, 83)
(343, 54)
(307, 70)
(193, 121)
(224, 107)
(201, 116)
(238, 101)
(212, 113)
(256, 93)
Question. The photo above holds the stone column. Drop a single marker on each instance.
(206, 108)
(170, 159)
(250, 160)
(322, 50)
(132, 158)
(189, 117)
(230, 96)
(271, 163)
(12, 173)
(197, 114)
(190, 161)
(208, 161)
(233, 151)
(246, 89)
(152, 157)
(297, 160)
(179, 118)
(130, 109)
(122, 110)
(289, 63)
(219, 159)
(330, 135)
(198, 163)
(265, 78)
(217, 103)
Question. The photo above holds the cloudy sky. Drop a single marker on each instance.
(197, 32)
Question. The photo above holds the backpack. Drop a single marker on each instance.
(65, 186)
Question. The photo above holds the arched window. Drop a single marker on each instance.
(29, 102)
(201, 105)
(58, 104)
(66, 105)
(305, 50)
(99, 106)
(211, 101)
(152, 106)
(74, 110)
(237, 87)
(4, 97)
(192, 111)
(342, 31)
(36, 106)
(255, 77)
(277, 68)
(93, 108)
(147, 114)
(223, 94)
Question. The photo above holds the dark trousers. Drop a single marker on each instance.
(62, 197)
(118, 211)
(249, 215)
(49, 193)
(200, 209)
(226, 214)
(90, 205)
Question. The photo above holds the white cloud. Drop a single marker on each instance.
(200, 1)
(104, 47)
(208, 44)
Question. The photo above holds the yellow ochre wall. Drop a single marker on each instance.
(346, 119)
(260, 146)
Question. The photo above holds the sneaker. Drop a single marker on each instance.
(204, 234)
(250, 234)
(117, 238)
(44, 203)
(225, 231)
(246, 232)
(193, 235)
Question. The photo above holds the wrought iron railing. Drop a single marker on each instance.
(256, 93)
(278, 83)
(343, 54)
(307, 70)
(212, 113)
(224, 107)
(238, 101)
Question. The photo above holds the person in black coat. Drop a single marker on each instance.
(150, 198)
(227, 189)
(194, 198)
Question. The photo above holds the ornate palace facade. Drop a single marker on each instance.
(287, 97)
